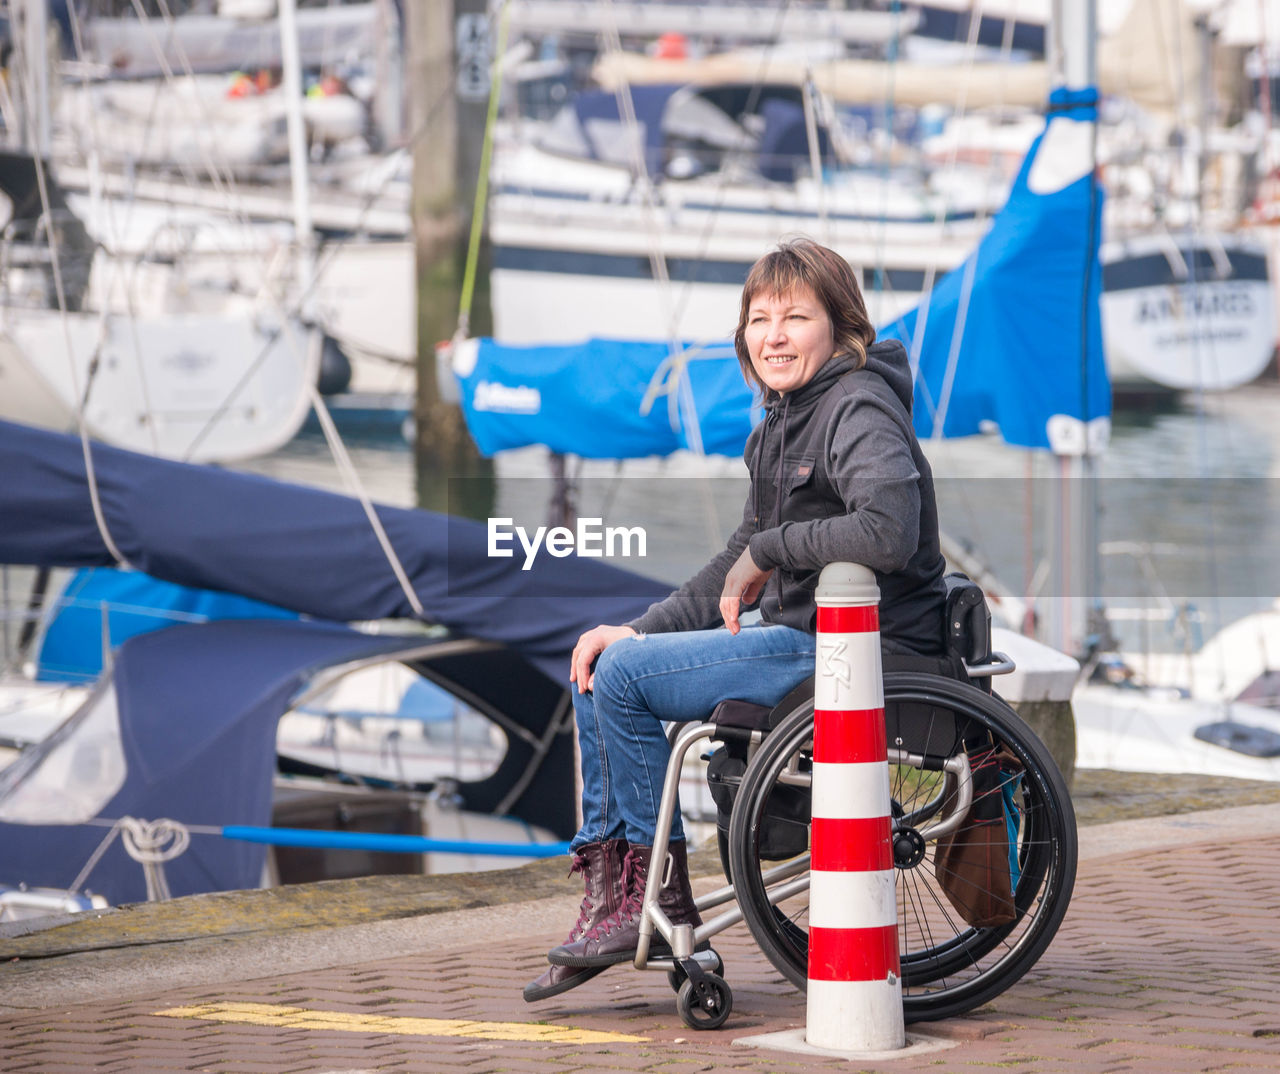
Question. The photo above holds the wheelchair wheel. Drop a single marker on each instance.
(948, 965)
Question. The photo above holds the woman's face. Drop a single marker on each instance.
(789, 338)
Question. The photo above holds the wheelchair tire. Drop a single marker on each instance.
(948, 966)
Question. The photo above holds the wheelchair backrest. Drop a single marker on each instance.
(967, 631)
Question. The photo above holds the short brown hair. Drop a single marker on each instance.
(803, 263)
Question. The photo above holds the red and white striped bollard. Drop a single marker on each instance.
(855, 994)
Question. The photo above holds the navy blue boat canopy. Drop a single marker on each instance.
(183, 725)
(302, 549)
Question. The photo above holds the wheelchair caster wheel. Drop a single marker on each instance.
(708, 1008)
(676, 976)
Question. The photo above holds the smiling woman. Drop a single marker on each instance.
(797, 313)
(789, 338)
(836, 476)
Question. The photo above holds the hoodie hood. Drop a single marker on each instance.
(887, 358)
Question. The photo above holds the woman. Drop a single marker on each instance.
(836, 475)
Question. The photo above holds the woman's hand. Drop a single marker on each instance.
(742, 585)
(589, 646)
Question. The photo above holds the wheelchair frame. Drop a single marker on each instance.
(704, 999)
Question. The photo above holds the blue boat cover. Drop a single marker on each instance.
(302, 549)
(1022, 350)
(1011, 339)
(198, 706)
(559, 396)
(130, 604)
(594, 107)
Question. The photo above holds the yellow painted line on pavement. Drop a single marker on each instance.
(271, 1014)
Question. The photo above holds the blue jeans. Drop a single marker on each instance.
(644, 681)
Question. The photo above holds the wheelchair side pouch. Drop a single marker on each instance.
(977, 865)
(784, 832)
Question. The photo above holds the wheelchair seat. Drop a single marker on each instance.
(741, 715)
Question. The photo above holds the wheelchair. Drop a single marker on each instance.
(953, 746)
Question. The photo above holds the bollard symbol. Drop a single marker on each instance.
(854, 988)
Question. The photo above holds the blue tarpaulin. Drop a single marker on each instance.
(124, 604)
(586, 399)
(1014, 335)
(198, 706)
(302, 549)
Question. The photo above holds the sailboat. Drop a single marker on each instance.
(196, 137)
(201, 372)
(1011, 341)
(182, 724)
(649, 215)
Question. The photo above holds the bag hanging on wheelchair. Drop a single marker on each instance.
(784, 832)
(977, 865)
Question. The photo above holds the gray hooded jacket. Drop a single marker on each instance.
(836, 476)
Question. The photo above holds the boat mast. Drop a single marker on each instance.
(32, 56)
(291, 87)
(1074, 610)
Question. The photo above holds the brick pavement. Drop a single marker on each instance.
(1169, 960)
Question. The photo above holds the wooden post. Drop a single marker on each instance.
(452, 476)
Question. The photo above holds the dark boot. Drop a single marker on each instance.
(601, 867)
(615, 939)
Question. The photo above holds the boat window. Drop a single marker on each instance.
(693, 117)
(388, 723)
(564, 134)
(69, 777)
(613, 142)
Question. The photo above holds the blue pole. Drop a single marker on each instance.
(399, 844)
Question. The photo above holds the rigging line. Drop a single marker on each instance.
(110, 206)
(222, 180)
(116, 269)
(880, 278)
(357, 346)
(685, 403)
(642, 180)
(649, 212)
(8, 112)
(64, 319)
(482, 179)
(272, 337)
(348, 471)
(953, 355)
(1176, 58)
(327, 256)
(210, 164)
(931, 268)
(808, 94)
(96, 856)
(722, 177)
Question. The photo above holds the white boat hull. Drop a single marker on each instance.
(575, 258)
(1137, 730)
(195, 387)
(1191, 314)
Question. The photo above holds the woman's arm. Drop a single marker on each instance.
(696, 604)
